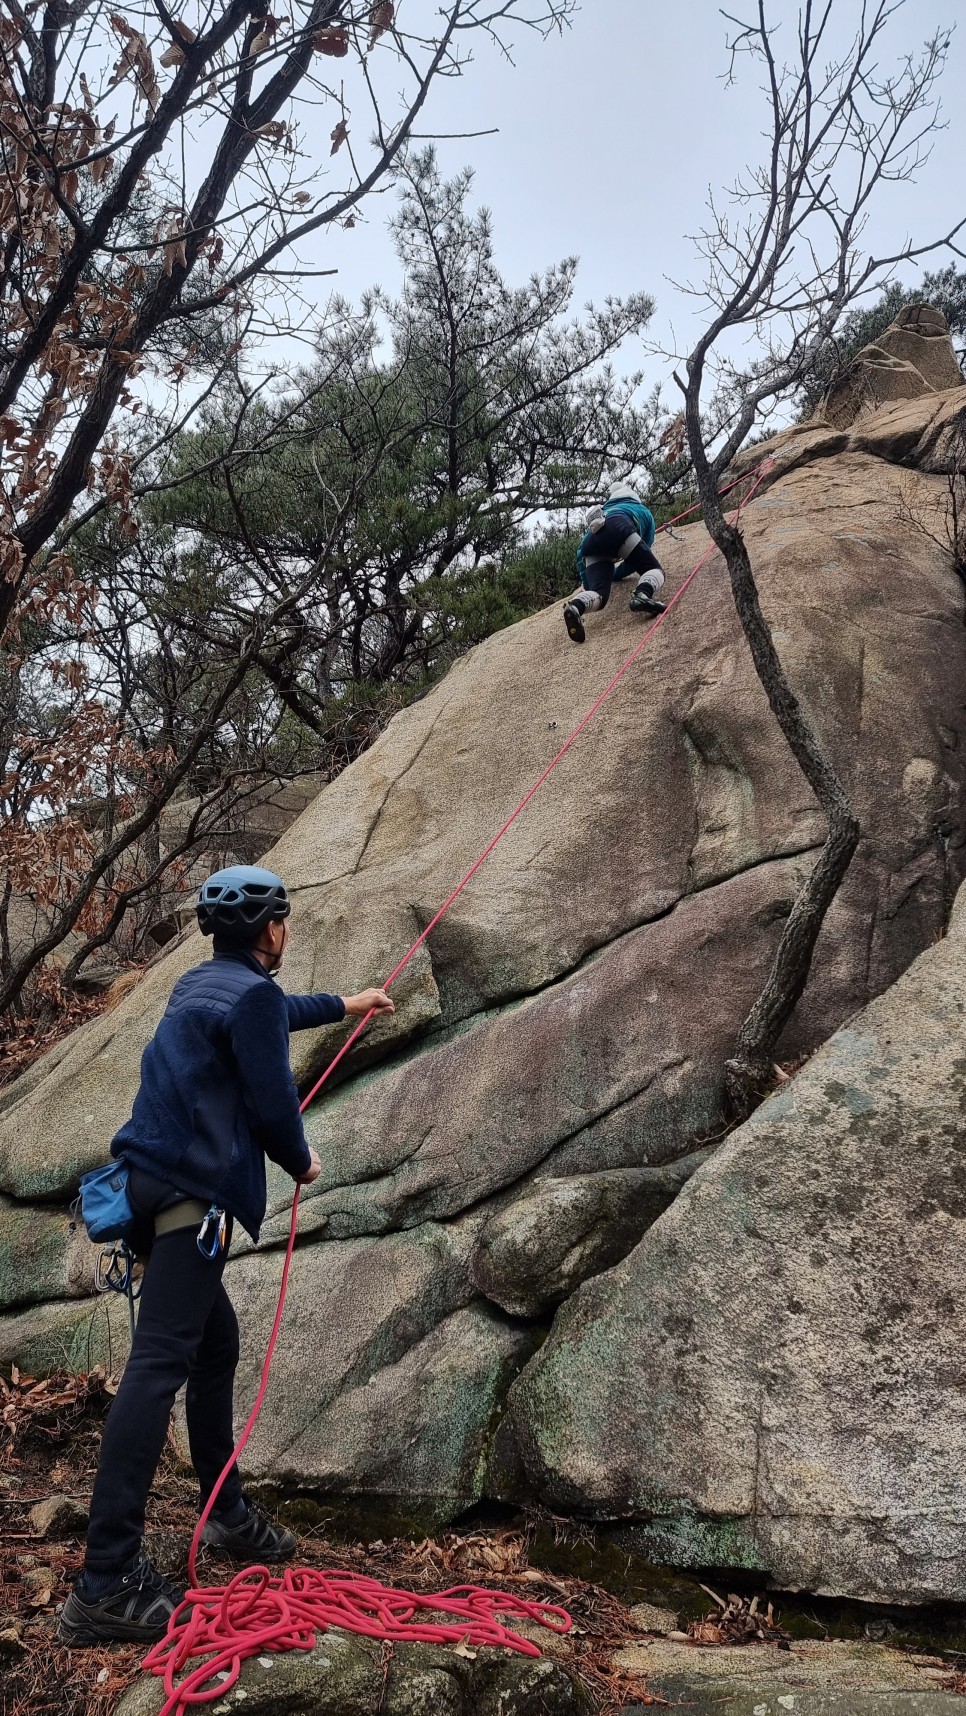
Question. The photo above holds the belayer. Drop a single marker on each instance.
(618, 542)
(217, 1096)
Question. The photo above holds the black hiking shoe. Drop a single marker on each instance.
(574, 621)
(256, 1539)
(135, 1610)
(644, 601)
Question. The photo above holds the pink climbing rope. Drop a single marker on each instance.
(254, 1613)
(218, 1627)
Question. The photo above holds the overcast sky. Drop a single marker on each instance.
(611, 135)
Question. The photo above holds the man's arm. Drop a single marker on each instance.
(258, 1031)
(307, 1010)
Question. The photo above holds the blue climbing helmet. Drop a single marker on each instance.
(238, 902)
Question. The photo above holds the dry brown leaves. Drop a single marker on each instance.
(135, 61)
(30, 1037)
(381, 19)
(495, 1552)
(29, 1404)
(739, 1621)
(332, 41)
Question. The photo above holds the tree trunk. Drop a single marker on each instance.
(748, 1073)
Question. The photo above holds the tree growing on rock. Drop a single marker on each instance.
(785, 262)
(402, 471)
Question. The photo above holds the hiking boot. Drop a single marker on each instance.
(136, 1609)
(574, 621)
(256, 1539)
(644, 601)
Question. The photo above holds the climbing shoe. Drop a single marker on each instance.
(644, 601)
(255, 1538)
(136, 1608)
(574, 621)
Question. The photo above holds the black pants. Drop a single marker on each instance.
(186, 1332)
(600, 575)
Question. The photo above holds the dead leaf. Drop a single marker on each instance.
(380, 20)
(265, 37)
(332, 40)
(275, 129)
(338, 135)
(463, 1649)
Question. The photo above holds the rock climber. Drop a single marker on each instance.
(217, 1096)
(618, 542)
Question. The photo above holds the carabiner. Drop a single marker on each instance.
(114, 1271)
(212, 1233)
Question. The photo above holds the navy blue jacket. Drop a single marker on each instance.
(217, 1092)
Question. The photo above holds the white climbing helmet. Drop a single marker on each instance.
(623, 491)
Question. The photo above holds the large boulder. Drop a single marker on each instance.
(390, 1372)
(571, 1016)
(774, 1378)
(556, 1233)
(349, 1676)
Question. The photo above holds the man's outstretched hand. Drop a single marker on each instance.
(369, 1001)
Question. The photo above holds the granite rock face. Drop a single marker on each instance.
(775, 1377)
(556, 1060)
(344, 1676)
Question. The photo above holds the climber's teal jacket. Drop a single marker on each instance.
(600, 543)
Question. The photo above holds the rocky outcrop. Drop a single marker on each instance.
(812, 1678)
(556, 1060)
(914, 357)
(393, 1373)
(774, 1378)
(346, 1676)
(533, 1253)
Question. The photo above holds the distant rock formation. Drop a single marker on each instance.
(913, 357)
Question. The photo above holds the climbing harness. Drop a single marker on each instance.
(219, 1627)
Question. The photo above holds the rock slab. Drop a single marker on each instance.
(775, 1378)
(344, 1676)
(833, 1678)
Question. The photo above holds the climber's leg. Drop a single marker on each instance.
(650, 579)
(598, 578)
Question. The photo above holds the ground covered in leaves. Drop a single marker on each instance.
(49, 1433)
